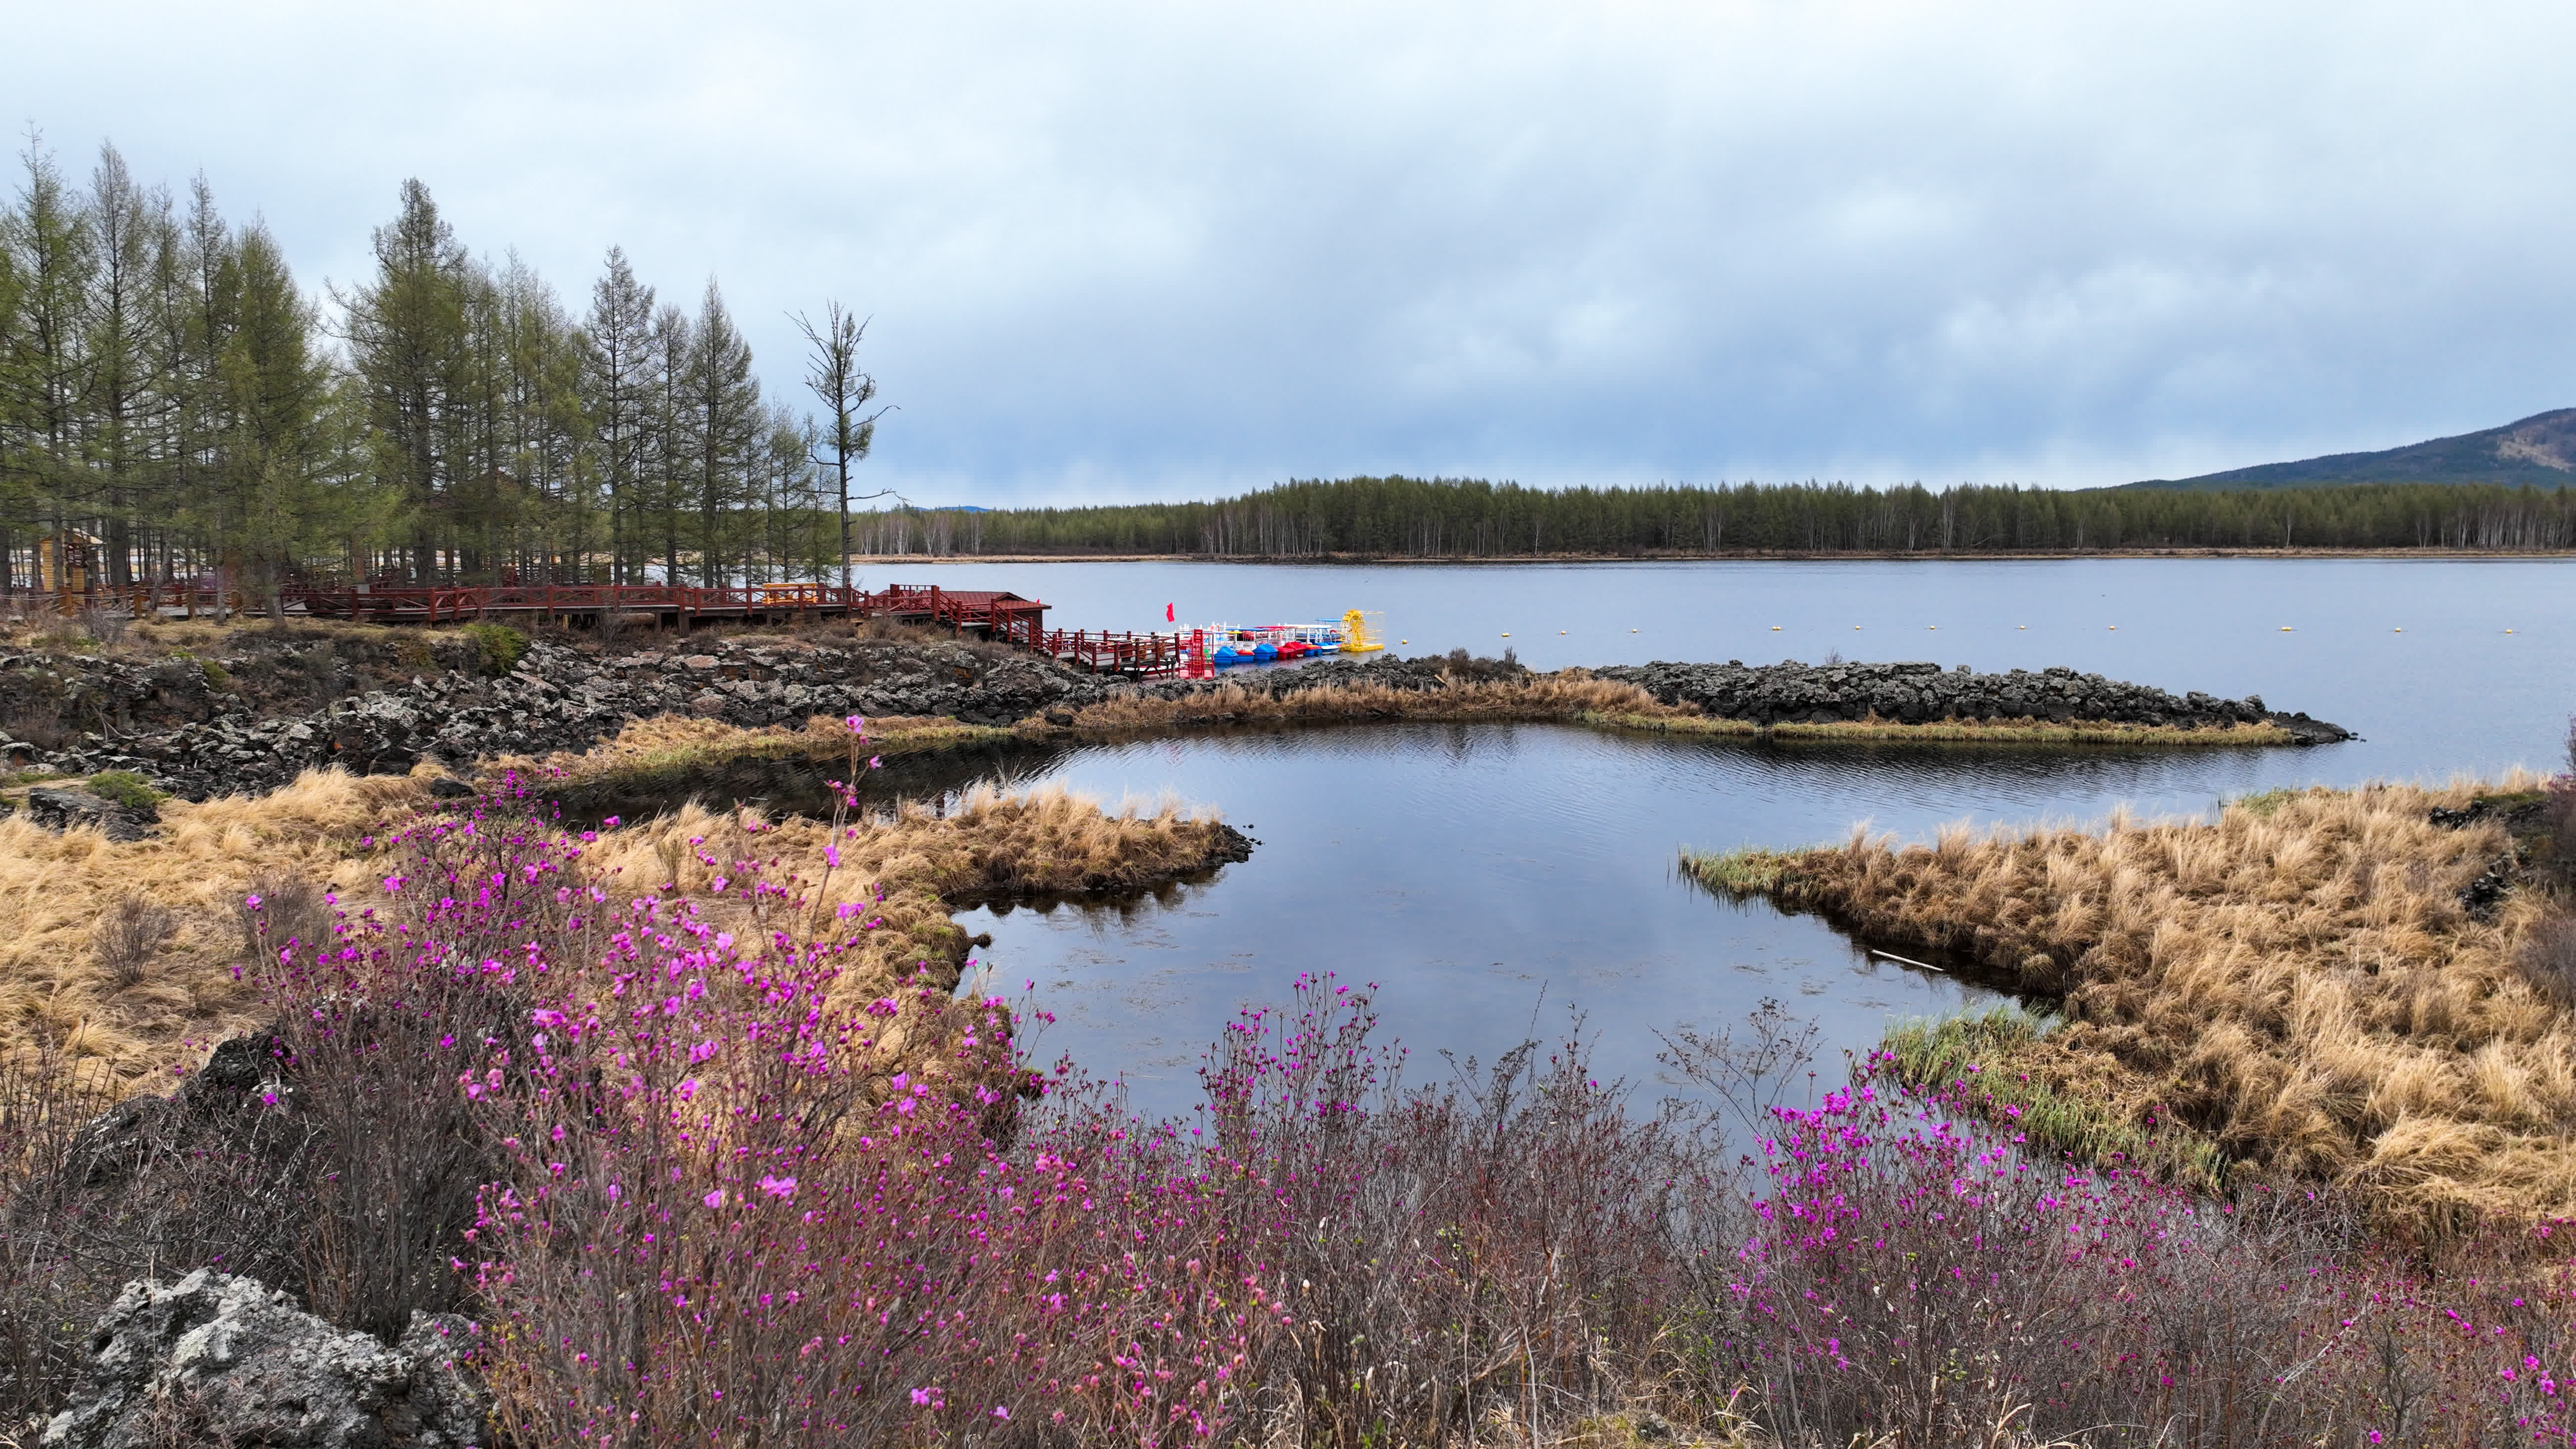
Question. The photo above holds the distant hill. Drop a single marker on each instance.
(2540, 450)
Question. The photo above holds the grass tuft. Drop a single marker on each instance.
(2003, 1063)
(2300, 981)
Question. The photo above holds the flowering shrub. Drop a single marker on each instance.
(701, 1188)
(1906, 1276)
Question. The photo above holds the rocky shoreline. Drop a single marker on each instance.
(175, 723)
(1790, 692)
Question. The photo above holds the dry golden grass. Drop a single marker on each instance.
(58, 894)
(2298, 981)
(1569, 695)
(66, 988)
(674, 744)
(1958, 731)
(908, 872)
(1577, 697)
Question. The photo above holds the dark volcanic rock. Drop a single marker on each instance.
(1923, 693)
(561, 698)
(62, 807)
(564, 698)
(218, 1359)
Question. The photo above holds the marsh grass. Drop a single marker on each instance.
(2002, 1064)
(1569, 696)
(1951, 731)
(69, 985)
(1744, 871)
(668, 748)
(75, 981)
(2297, 983)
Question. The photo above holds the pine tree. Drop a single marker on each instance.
(52, 249)
(408, 345)
(619, 365)
(128, 377)
(721, 427)
(277, 462)
(845, 389)
(667, 462)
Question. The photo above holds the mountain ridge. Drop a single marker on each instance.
(2539, 450)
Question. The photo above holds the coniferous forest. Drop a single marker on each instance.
(175, 406)
(1444, 518)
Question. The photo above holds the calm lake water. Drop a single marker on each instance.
(1491, 877)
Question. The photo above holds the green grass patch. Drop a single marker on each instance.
(497, 647)
(2017, 1080)
(1747, 870)
(1954, 732)
(126, 788)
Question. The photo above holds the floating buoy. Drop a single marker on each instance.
(2397, 631)
(1632, 631)
(1560, 631)
(2113, 627)
(1855, 628)
(1507, 633)
(2021, 626)
(2508, 631)
(1775, 628)
(2285, 629)
(1931, 626)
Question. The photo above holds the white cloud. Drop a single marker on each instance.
(1129, 249)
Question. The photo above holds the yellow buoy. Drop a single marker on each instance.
(2113, 627)
(2508, 631)
(2285, 628)
(1775, 628)
(1632, 631)
(2397, 631)
(1560, 631)
(2021, 626)
(1931, 626)
(1507, 633)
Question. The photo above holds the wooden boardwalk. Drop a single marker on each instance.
(984, 613)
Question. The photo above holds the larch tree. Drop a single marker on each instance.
(620, 364)
(406, 333)
(844, 389)
(722, 427)
(54, 255)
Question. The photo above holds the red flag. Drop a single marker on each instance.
(1168, 615)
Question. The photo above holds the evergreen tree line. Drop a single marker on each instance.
(1452, 518)
(174, 407)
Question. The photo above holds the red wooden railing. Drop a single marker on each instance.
(999, 616)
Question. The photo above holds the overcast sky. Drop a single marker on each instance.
(1133, 250)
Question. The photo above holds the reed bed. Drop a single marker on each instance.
(674, 745)
(124, 959)
(2299, 984)
(1958, 731)
(1568, 695)
(121, 954)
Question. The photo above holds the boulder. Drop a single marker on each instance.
(219, 1359)
(64, 807)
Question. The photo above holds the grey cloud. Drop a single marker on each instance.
(1128, 249)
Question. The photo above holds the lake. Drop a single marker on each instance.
(1491, 877)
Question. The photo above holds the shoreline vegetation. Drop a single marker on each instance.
(1732, 555)
(1397, 518)
(2320, 988)
(667, 1118)
(748, 1024)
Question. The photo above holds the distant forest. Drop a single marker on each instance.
(174, 406)
(1453, 518)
